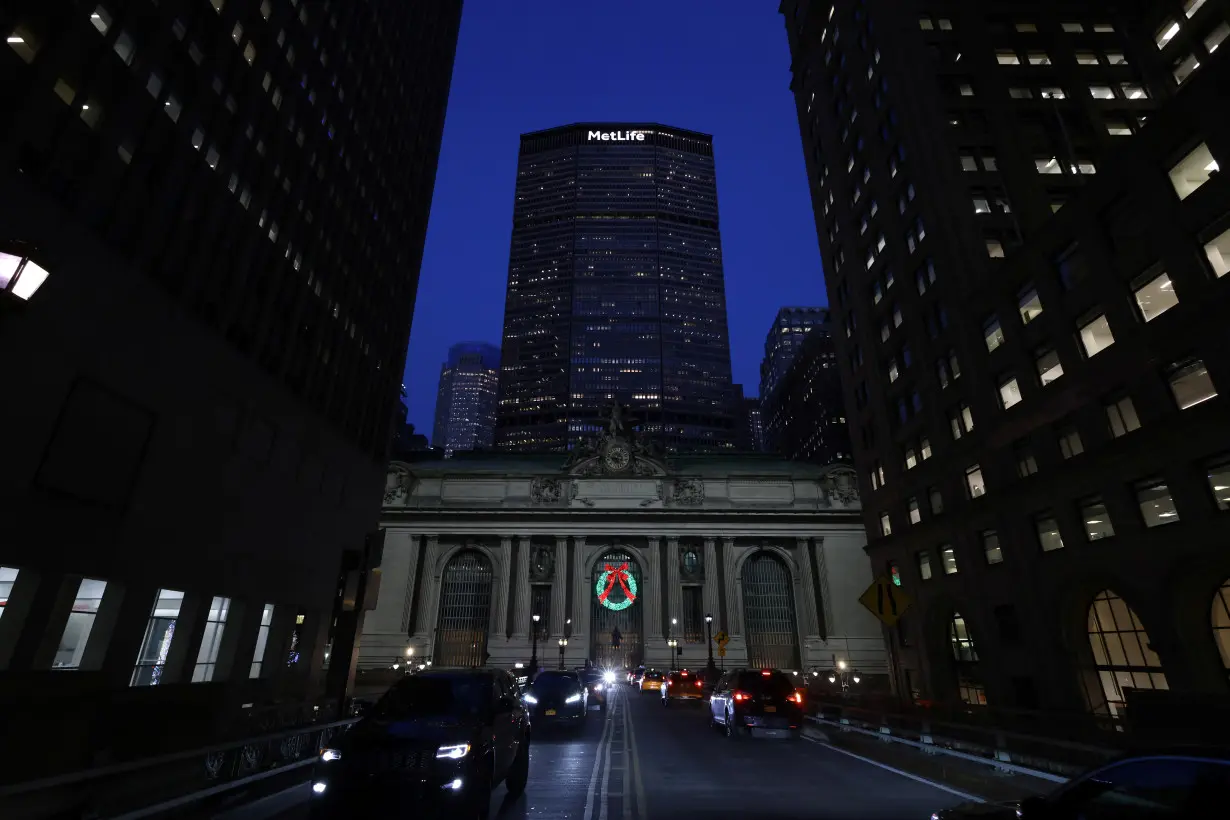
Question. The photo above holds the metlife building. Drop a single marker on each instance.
(615, 290)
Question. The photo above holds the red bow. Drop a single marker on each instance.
(613, 575)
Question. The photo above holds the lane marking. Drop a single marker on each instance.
(593, 776)
(635, 766)
(627, 766)
(604, 805)
(971, 797)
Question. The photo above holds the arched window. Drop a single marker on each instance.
(1221, 622)
(1121, 652)
(966, 657)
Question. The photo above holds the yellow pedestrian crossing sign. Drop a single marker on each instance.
(885, 600)
(721, 639)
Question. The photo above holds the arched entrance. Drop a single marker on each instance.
(465, 611)
(618, 612)
(1122, 657)
(768, 613)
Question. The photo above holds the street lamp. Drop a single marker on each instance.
(20, 276)
(563, 642)
(841, 672)
(709, 643)
(534, 645)
(409, 651)
(672, 643)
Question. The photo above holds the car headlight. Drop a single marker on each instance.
(597, 687)
(329, 754)
(454, 751)
(530, 698)
(573, 698)
(609, 677)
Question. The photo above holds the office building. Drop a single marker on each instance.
(1025, 242)
(465, 400)
(615, 290)
(229, 198)
(753, 424)
(782, 342)
(805, 418)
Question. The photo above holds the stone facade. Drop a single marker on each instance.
(686, 523)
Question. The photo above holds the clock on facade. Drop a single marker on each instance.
(617, 457)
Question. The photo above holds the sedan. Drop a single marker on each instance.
(652, 682)
(756, 702)
(682, 685)
(557, 698)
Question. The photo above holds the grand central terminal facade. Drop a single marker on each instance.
(621, 554)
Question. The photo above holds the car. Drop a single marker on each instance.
(651, 681)
(557, 699)
(634, 677)
(598, 683)
(440, 740)
(1168, 783)
(759, 702)
(683, 685)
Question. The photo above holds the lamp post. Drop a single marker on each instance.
(534, 645)
(563, 642)
(672, 643)
(709, 643)
(842, 673)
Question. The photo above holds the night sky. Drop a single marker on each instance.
(717, 66)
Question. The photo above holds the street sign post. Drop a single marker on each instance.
(721, 651)
(885, 600)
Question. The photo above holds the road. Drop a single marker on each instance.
(641, 761)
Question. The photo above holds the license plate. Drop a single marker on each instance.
(550, 712)
(770, 708)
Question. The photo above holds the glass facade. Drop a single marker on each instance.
(465, 400)
(615, 290)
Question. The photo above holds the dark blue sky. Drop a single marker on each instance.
(717, 66)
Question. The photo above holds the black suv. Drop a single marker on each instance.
(756, 701)
(438, 740)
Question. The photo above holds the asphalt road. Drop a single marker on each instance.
(641, 761)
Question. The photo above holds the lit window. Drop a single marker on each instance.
(945, 24)
(925, 24)
(249, 54)
(924, 449)
(218, 4)
(211, 640)
(1102, 92)
(1072, 28)
(262, 641)
(64, 91)
(974, 483)
(1156, 505)
(91, 113)
(1007, 58)
(981, 206)
(1118, 128)
(1116, 58)
(1154, 296)
(991, 548)
(1133, 92)
(1191, 384)
(80, 623)
(968, 163)
(1192, 171)
(1070, 444)
(967, 418)
(1009, 393)
(1216, 38)
(993, 334)
(1049, 367)
(924, 565)
(967, 91)
(1030, 306)
(911, 459)
(266, 9)
(1021, 93)
(1049, 165)
(1165, 33)
(1096, 520)
(1052, 93)
(1086, 58)
(101, 20)
(1218, 253)
(1103, 28)
(1219, 485)
(893, 372)
(156, 645)
(1038, 58)
(1122, 417)
(1027, 28)
(1096, 336)
(949, 560)
(886, 526)
(172, 107)
(125, 48)
(1048, 533)
(1190, 7)
(198, 139)
(1184, 67)
(995, 249)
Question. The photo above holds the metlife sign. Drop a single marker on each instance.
(616, 136)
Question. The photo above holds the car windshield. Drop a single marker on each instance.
(555, 682)
(775, 684)
(653, 676)
(422, 696)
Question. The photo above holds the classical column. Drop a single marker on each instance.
(652, 594)
(559, 596)
(425, 623)
(712, 605)
(521, 590)
(734, 612)
(580, 596)
(412, 569)
(499, 593)
(674, 589)
(807, 600)
(822, 574)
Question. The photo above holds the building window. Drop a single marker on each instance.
(937, 500)
(995, 249)
(1009, 393)
(911, 459)
(1101, 92)
(886, 525)
(1156, 505)
(125, 48)
(1122, 417)
(1192, 171)
(101, 20)
(1048, 533)
(1165, 33)
(1190, 383)
(1183, 68)
(1216, 38)
(1096, 520)
(1038, 58)
(1007, 58)
(948, 559)
(1070, 444)
(1221, 623)
(1049, 367)
(80, 623)
(915, 514)
(8, 577)
(159, 631)
(924, 448)
(1219, 485)
(1096, 336)
(1154, 295)
(992, 333)
(924, 565)
(974, 483)
(262, 642)
(1025, 463)
(693, 614)
(211, 641)
(1218, 253)
(1030, 306)
(1122, 655)
(990, 547)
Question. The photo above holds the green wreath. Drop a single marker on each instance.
(606, 582)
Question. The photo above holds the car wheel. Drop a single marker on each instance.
(732, 730)
(519, 773)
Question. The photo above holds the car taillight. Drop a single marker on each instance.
(698, 684)
(766, 672)
(742, 696)
(797, 697)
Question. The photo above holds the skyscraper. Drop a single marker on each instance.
(805, 418)
(1025, 243)
(782, 342)
(230, 198)
(465, 400)
(615, 290)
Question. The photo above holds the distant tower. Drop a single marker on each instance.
(465, 401)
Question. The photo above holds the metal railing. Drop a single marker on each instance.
(175, 783)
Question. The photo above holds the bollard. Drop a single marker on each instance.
(1002, 754)
(925, 738)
